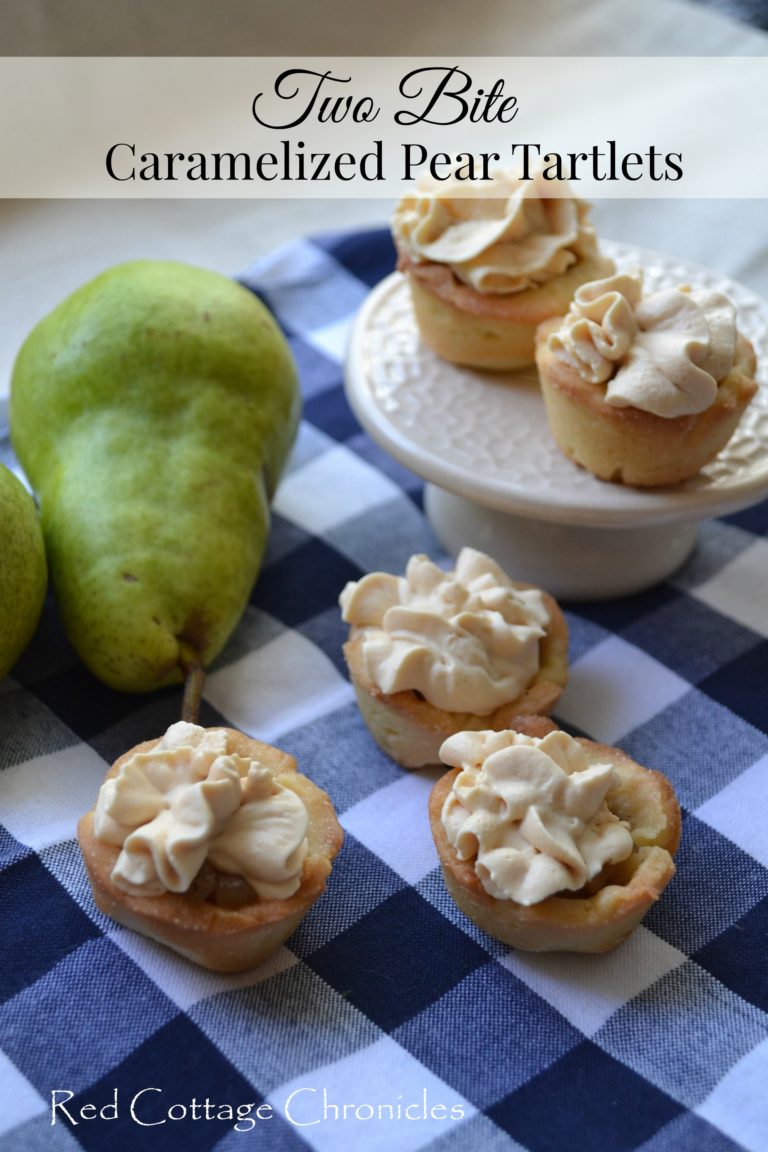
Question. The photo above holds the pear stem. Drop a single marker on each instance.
(194, 681)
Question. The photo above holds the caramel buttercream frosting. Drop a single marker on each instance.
(549, 842)
(531, 813)
(663, 353)
(211, 843)
(644, 389)
(506, 237)
(190, 799)
(435, 652)
(487, 264)
(467, 640)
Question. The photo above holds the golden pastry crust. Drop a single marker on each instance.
(489, 330)
(627, 445)
(610, 907)
(411, 730)
(220, 938)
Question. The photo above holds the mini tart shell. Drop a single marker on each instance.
(628, 445)
(411, 730)
(494, 331)
(218, 938)
(610, 907)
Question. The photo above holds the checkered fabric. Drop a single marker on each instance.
(389, 1021)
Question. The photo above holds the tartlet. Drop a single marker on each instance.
(220, 922)
(609, 907)
(408, 725)
(628, 443)
(486, 267)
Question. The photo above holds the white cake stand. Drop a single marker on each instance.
(497, 481)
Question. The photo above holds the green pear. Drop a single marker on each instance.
(23, 574)
(153, 411)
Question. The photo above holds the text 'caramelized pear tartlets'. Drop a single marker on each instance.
(550, 843)
(644, 389)
(487, 265)
(211, 843)
(432, 652)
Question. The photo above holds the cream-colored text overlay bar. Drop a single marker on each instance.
(367, 127)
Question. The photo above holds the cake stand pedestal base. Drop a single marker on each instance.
(570, 561)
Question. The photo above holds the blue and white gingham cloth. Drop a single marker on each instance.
(389, 1021)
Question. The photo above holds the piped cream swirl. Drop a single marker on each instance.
(508, 236)
(531, 813)
(190, 799)
(467, 640)
(664, 353)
